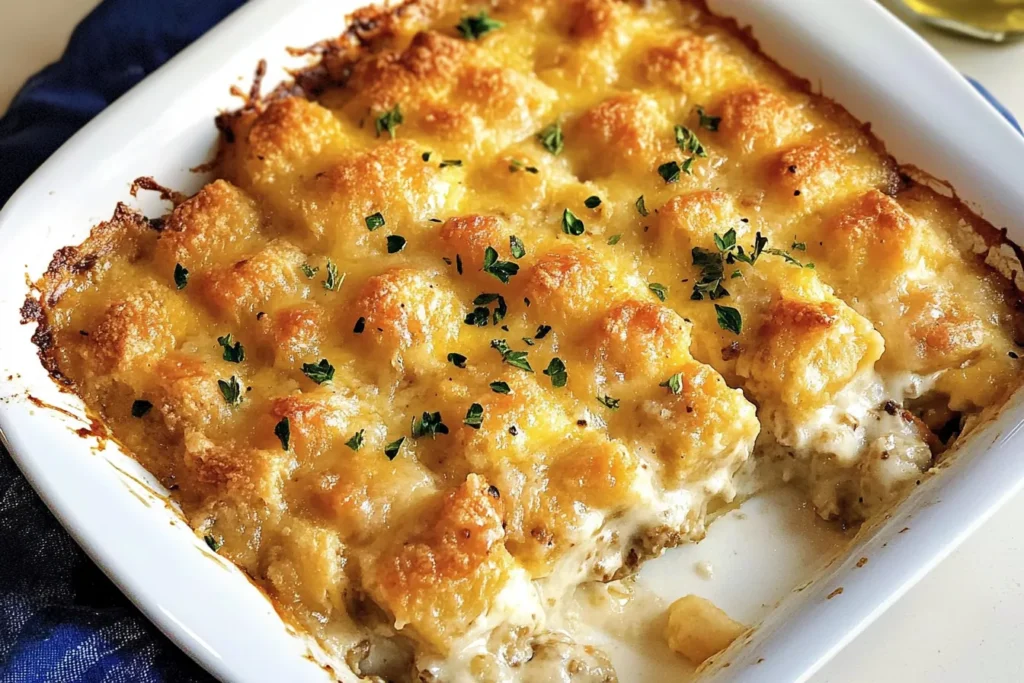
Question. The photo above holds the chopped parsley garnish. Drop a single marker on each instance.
(708, 122)
(516, 359)
(674, 384)
(429, 425)
(388, 121)
(516, 165)
(214, 543)
(478, 316)
(283, 431)
(788, 258)
(333, 281)
(392, 449)
(641, 206)
(527, 341)
(542, 331)
(669, 171)
(516, 247)
(396, 243)
(308, 270)
(551, 138)
(735, 274)
(360, 325)
(556, 371)
(457, 359)
(141, 407)
(472, 28)
(233, 353)
(687, 141)
(660, 290)
(474, 416)
(503, 270)
(571, 224)
(712, 270)
(729, 319)
(356, 442)
(608, 402)
(458, 263)
(614, 239)
(374, 221)
(592, 202)
(445, 163)
(180, 276)
(231, 390)
(798, 246)
(501, 388)
(687, 166)
(425, 156)
(319, 372)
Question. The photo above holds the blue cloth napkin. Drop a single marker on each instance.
(61, 619)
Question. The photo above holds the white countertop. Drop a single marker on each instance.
(965, 620)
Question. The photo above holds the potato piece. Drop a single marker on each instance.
(697, 629)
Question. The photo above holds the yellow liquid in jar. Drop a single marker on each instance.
(988, 16)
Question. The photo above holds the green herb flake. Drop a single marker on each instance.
(516, 247)
(735, 274)
(500, 388)
(319, 372)
(556, 371)
(233, 353)
(503, 270)
(430, 424)
(389, 121)
(571, 224)
(214, 543)
(592, 202)
(478, 316)
(425, 156)
(687, 141)
(445, 163)
(180, 276)
(308, 270)
(674, 384)
(393, 448)
(283, 431)
(516, 165)
(360, 325)
(474, 416)
(458, 263)
(542, 331)
(798, 246)
(457, 359)
(333, 281)
(669, 172)
(551, 138)
(608, 402)
(231, 390)
(528, 341)
(660, 290)
(141, 407)
(516, 359)
(396, 243)
(374, 221)
(687, 166)
(729, 319)
(708, 122)
(614, 239)
(641, 206)
(473, 28)
(356, 442)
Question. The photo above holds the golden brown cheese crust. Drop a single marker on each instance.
(664, 393)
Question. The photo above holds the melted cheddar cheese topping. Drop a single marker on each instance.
(495, 300)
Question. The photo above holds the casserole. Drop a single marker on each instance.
(764, 630)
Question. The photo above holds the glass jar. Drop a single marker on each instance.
(989, 19)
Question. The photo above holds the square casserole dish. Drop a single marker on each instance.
(852, 50)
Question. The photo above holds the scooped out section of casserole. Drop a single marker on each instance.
(496, 300)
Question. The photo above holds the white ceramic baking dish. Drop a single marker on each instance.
(852, 50)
